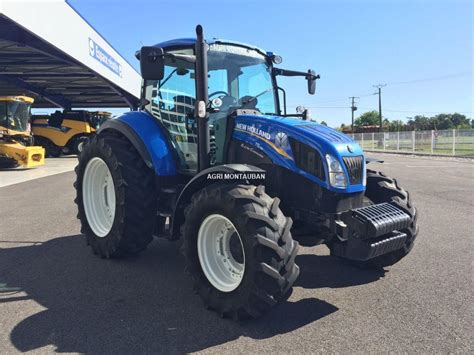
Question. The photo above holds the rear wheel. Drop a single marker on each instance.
(116, 197)
(239, 250)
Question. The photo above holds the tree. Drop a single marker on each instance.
(397, 125)
(370, 118)
(324, 123)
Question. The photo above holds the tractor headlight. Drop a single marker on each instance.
(337, 178)
(364, 175)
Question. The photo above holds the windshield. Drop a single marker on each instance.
(15, 115)
(241, 77)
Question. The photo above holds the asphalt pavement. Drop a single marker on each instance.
(55, 295)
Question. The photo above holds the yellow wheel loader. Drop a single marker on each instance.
(16, 141)
(66, 132)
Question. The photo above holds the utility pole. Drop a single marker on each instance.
(379, 87)
(353, 108)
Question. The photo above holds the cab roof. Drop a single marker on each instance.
(26, 99)
(188, 42)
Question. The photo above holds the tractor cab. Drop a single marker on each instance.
(240, 78)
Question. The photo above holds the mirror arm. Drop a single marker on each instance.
(285, 72)
(183, 57)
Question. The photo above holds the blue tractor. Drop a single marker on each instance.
(213, 159)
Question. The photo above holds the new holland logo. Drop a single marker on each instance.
(281, 140)
(349, 148)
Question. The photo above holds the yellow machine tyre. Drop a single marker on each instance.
(78, 144)
(8, 163)
(51, 149)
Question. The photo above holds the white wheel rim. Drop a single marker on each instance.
(98, 195)
(221, 260)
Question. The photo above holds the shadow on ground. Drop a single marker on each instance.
(143, 304)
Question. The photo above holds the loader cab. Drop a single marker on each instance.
(15, 113)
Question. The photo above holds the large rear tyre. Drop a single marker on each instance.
(239, 250)
(116, 197)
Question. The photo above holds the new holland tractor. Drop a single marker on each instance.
(213, 159)
(16, 141)
(66, 132)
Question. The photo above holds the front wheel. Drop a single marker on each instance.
(239, 250)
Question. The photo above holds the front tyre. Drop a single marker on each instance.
(239, 250)
(381, 188)
(116, 197)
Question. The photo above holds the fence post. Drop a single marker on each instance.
(383, 141)
(373, 148)
(432, 141)
(454, 142)
(398, 140)
(362, 141)
(413, 141)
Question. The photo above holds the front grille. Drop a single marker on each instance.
(354, 168)
(307, 159)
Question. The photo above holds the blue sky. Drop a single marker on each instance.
(353, 45)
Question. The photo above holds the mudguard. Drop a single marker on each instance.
(372, 160)
(148, 137)
(234, 172)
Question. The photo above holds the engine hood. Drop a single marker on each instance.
(273, 136)
(276, 130)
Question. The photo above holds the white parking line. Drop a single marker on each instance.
(52, 166)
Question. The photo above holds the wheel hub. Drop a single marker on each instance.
(98, 194)
(221, 252)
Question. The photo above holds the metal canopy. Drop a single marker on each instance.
(31, 65)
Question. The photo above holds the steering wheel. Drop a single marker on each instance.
(219, 92)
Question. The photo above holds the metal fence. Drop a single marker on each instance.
(459, 142)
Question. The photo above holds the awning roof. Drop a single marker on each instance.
(37, 61)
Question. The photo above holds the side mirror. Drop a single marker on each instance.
(311, 81)
(152, 63)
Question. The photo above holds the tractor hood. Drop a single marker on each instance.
(273, 135)
(275, 130)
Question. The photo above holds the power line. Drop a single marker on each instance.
(325, 107)
(448, 76)
(417, 111)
